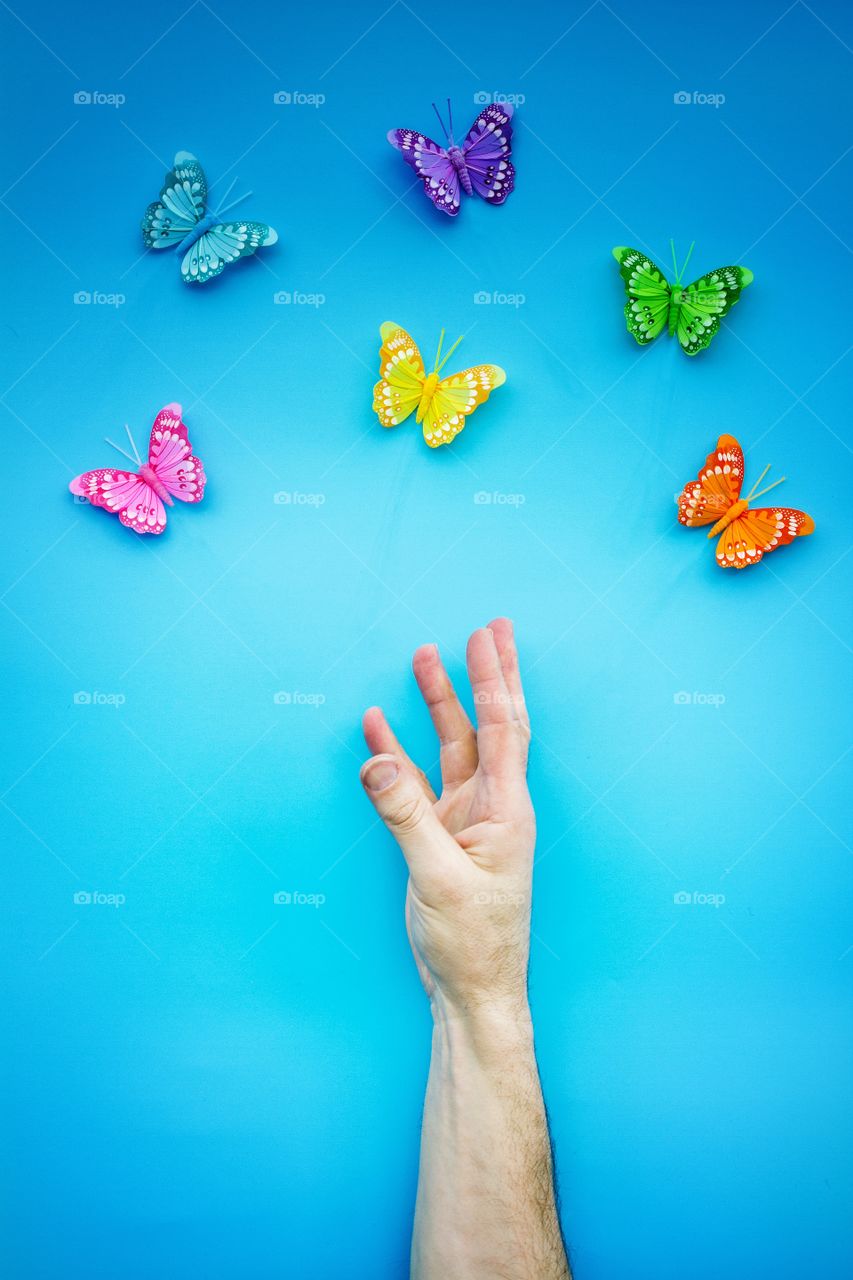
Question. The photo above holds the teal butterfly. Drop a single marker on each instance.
(693, 312)
(206, 244)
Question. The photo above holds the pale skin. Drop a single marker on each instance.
(486, 1207)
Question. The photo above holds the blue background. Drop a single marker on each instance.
(201, 1082)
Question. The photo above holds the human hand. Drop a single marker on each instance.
(469, 851)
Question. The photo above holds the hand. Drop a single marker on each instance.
(469, 851)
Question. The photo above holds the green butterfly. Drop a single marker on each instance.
(692, 312)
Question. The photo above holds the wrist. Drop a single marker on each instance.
(489, 1028)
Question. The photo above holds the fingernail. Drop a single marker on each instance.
(379, 775)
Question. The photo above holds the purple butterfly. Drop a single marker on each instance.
(481, 164)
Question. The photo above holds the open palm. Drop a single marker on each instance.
(471, 848)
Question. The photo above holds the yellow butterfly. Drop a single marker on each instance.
(442, 404)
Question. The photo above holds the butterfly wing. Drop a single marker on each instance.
(758, 532)
(487, 149)
(224, 243)
(431, 163)
(126, 495)
(705, 302)
(718, 485)
(647, 308)
(180, 207)
(401, 376)
(456, 398)
(170, 454)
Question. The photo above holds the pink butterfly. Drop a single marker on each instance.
(138, 497)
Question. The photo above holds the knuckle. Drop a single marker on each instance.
(406, 814)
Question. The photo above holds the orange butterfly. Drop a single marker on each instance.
(714, 497)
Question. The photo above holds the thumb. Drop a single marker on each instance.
(403, 806)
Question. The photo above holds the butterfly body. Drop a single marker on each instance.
(480, 166)
(150, 477)
(692, 313)
(204, 242)
(673, 312)
(734, 513)
(457, 159)
(207, 223)
(426, 396)
(140, 498)
(440, 405)
(745, 534)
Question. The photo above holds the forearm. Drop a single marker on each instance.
(486, 1208)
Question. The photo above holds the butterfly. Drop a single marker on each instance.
(693, 312)
(178, 221)
(480, 165)
(442, 404)
(714, 497)
(137, 497)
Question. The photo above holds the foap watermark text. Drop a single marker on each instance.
(495, 297)
(695, 898)
(695, 98)
(696, 699)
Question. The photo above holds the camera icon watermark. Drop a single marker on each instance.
(295, 98)
(84, 98)
(298, 298)
(482, 98)
(494, 297)
(95, 298)
(697, 899)
(697, 699)
(694, 98)
(94, 698)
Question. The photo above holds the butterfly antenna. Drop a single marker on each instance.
(752, 496)
(230, 189)
(133, 444)
(239, 200)
(441, 122)
(686, 260)
(450, 353)
(450, 120)
(438, 353)
(751, 493)
(674, 263)
(119, 449)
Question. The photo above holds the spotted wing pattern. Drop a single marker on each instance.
(221, 245)
(456, 398)
(647, 307)
(432, 164)
(401, 376)
(718, 485)
(759, 531)
(704, 303)
(181, 205)
(487, 149)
